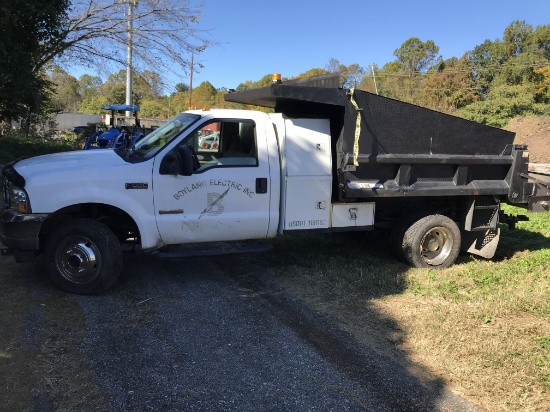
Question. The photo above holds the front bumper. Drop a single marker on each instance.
(19, 231)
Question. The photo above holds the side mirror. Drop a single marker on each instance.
(186, 160)
(178, 162)
(170, 164)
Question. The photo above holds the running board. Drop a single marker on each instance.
(174, 252)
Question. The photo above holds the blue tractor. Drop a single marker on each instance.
(117, 136)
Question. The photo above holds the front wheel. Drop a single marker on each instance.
(431, 242)
(83, 256)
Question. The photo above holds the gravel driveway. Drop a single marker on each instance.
(192, 335)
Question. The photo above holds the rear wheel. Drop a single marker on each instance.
(83, 256)
(431, 242)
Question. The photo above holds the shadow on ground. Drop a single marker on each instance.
(245, 332)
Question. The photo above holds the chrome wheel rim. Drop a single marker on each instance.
(78, 260)
(436, 245)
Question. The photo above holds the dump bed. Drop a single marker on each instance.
(386, 148)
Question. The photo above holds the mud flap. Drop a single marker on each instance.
(481, 243)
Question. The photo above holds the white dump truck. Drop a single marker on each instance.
(327, 159)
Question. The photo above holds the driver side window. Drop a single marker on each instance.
(225, 143)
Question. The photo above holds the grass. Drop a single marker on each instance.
(481, 325)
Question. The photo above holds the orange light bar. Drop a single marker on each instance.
(276, 78)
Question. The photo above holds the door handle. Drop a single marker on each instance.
(261, 185)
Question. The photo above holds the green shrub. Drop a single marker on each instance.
(15, 145)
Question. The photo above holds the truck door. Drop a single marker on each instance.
(227, 197)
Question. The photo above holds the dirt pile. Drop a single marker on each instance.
(535, 132)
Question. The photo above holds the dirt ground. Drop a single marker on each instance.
(535, 132)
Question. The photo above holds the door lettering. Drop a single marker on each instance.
(214, 201)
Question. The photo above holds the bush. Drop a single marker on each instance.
(14, 145)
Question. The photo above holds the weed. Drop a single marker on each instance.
(544, 342)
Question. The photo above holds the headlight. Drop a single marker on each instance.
(18, 199)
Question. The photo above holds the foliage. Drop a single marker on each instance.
(310, 73)
(204, 95)
(504, 103)
(66, 96)
(542, 85)
(26, 31)
(350, 76)
(415, 55)
(16, 144)
(182, 87)
(448, 86)
(91, 104)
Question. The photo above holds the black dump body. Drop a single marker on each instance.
(399, 149)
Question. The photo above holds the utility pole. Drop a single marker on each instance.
(191, 80)
(374, 78)
(131, 5)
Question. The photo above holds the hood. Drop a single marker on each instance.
(79, 161)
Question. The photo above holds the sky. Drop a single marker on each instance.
(258, 37)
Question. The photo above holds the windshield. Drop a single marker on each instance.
(154, 142)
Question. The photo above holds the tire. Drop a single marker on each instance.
(83, 256)
(431, 242)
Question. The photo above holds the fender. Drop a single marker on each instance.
(114, 182)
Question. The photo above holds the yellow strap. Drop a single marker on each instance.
(357, 129)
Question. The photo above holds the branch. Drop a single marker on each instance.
(97, 33)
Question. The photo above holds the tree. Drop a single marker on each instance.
(249, 84)
(93, 103)
(89, 85)
(147, 85)
(182, 87)
(66, 94)
(484, 62)
(541, 37)
(97, 33)
(448, 86)
(370, 76)
(27, 28)
(204, 95)
(334, 65)
(311, 72)
(354, 74)
(518, 37)
(350, 76)
(416, 55)
(91, 93)
(542, 87)
(115, 93)
(154, 108)
(178, 103)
